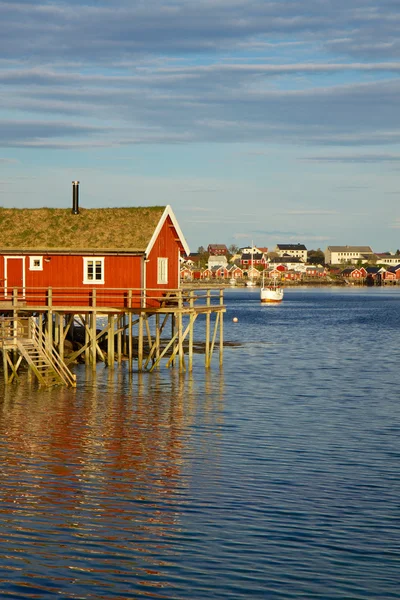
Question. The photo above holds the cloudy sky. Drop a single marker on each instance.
(272, 122)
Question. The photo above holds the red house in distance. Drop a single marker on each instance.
(111, 257)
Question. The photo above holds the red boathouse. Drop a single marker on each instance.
(109, 253)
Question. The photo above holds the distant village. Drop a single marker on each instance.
(291, 263)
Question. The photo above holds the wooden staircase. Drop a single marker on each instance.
(24, 337)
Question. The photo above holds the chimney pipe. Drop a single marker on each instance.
(75, 197)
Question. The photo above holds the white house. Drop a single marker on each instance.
(217, 261)
(336, 255)
(388, 259)
(295, 250)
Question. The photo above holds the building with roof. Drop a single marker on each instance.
(383, 258)
(79, 251)
(336, 255)
(217, 261)
(217, 249)
(295, 250)
(289, 262)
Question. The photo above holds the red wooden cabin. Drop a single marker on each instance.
(115, 257)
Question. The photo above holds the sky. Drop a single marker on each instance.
(258, 122)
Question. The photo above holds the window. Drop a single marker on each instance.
(93, 270)
(162, 272)
(36, 263)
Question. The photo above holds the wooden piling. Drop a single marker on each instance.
(140, 342)
(207, 342)
(221, 329)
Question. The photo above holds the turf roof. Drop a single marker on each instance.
(92, 229)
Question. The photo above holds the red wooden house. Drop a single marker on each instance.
(392, 274)
(291, 275)
(102, 256)
(221, 272)
(235, 272)
(352, 273)
(207, 274)
(274, 273)
(186, 274)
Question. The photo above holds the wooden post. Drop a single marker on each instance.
(221, 329)
(191, 320)
(130, 343)
(140, 342)
(157, 338)
(119, 338)
(93, 332)
(40, 325)
(60, 334)
(124, 327)
(49, 336)
(15, 316)
(207, 345)
(111, 341)
(72, 327)
(56, 329)
(180, 332)
(173, 333)
(130, 340)
(5, 365)
(87, 354)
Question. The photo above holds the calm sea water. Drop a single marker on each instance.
(276, 477)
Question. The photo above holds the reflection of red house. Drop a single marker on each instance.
(75, 253)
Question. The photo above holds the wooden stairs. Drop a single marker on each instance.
(24, 338)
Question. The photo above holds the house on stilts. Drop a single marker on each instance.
(60, 268)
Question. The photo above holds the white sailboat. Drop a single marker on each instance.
(271, 293)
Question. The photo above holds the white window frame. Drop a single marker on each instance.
(86, 262)
(32, 266)
(162, 270)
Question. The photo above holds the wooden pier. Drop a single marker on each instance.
(143, 329)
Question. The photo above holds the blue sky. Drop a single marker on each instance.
(276, 122)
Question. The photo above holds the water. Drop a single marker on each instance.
(277, 477)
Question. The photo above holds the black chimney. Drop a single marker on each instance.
(75, 197)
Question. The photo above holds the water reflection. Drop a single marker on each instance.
(94, 478)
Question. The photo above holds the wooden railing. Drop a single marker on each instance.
(51, 353)
(11, 329)
(119, 298)
(14, 329)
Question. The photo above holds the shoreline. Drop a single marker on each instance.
(221, 284)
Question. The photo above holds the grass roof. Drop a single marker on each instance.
(125, 229)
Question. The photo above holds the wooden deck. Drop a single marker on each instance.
(134, 320)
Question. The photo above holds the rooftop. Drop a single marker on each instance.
(57, 229)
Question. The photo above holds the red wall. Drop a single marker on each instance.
(65, 273)
(165, 246)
